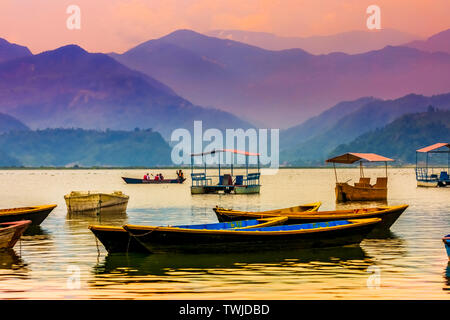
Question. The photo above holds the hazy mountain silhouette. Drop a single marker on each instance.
(10, 51)
(404, 136)
(351, 42)
(283, 88)
(438, 42)
(374, 114)
(69, 87)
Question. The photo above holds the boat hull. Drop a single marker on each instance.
(96, 203)
(215, 189)
(446, 241)
(10, 233)
(34, 214)
(346, 192)
(117, 239)
(388, 215)
(142, 181)
(165, 240)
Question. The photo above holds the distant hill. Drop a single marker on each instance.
(369, 116)
(10, 51)
(321, 123)
(70, 87)
(401, 138)
(351, 42)
(68, 147)
(283, 88)
(437, 43)
(8, 123)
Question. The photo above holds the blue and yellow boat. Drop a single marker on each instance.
(446, 241)
(117, 239)
(198, 240)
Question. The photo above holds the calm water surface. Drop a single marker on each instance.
(411, 261)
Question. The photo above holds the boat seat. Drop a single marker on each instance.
(363, 183)
(239, 180)
(444, 176)
(381, 183)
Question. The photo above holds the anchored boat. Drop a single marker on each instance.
(96, 202)
(362, 190)
(117, 239)
(10, 233)
(427, 176)
(388, 215)
(229, 182)
(35, 214)
(309, 235)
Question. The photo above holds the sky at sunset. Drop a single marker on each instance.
(117, 25)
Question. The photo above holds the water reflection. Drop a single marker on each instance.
(447, 277)
(78, 221)
(163, 264)
(9, 259)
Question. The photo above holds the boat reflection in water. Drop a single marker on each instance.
(9, 259)
(166, 264)
(447, 277)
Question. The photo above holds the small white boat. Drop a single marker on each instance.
(96, 202)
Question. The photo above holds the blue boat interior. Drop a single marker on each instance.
(221, 225)
(315, 225)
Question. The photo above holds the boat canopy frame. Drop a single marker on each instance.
(352, 157)
(422, 172)
(202, 179)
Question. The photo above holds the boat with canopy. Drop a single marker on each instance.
(429, 176)
(362, 190)
(247, 183)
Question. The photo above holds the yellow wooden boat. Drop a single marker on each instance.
(310, 207)
(117, 239)
(388, 215)
(96, 202)
(35, 214)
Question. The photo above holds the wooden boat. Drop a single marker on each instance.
(446, 241)
(388, 215)
(88, 202)
(362, 190)
(309, 235)
(142, 181)
(117, 239)
(10, 233)
(35, 214)
(284, 211)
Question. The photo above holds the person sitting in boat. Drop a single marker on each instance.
(157, 177)
(147, 176)
(161, 177)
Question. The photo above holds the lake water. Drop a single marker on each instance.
(410, 262)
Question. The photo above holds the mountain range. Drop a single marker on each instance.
(70, 147)
(351, 42)
(282, 88)
(439, 42)
(402, 137)
(348, 120)
(10, 51)
(70, 87)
